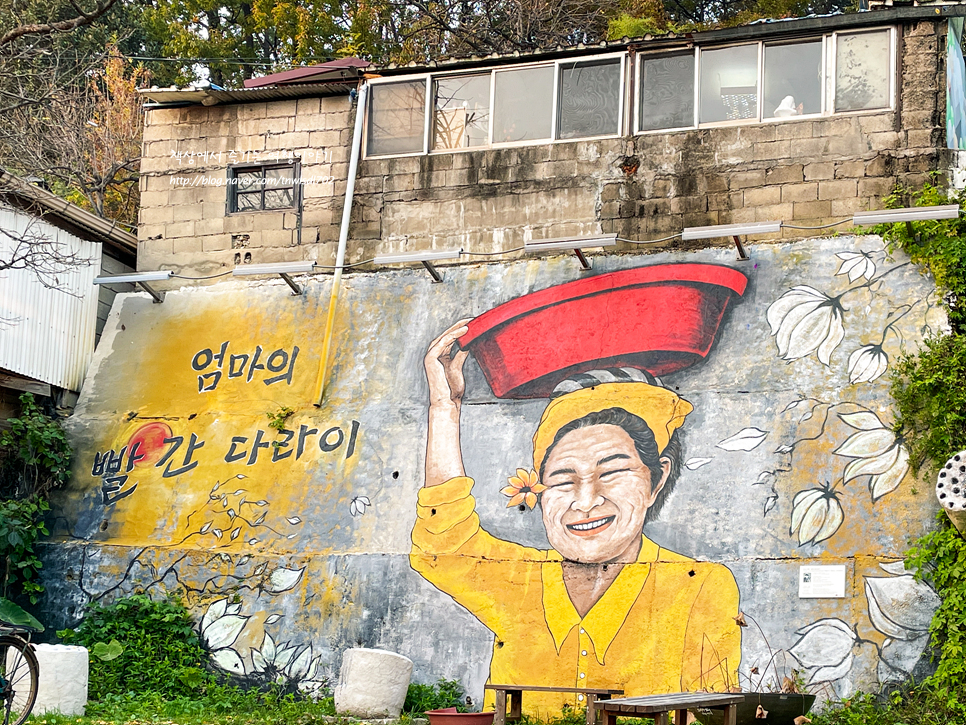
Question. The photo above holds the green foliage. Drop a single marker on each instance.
(21, 524)
(215, 705)
(276, 420)
(918, 706)
(930, 393)
(159, 653)
(938, 246)
(34, 453)
(445, 693)
(940, 556)
(34, 459)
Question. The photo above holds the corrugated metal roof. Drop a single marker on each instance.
(47, 332)
(212, 96)
(333, 70)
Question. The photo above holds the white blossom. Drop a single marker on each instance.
(358, 505)
(816, 515)
(856, 265)
(877, 453)
(867, 363)
(804, 320)
(825, 649)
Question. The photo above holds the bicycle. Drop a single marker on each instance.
(19, 669)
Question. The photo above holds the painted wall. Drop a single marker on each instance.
(294, 545)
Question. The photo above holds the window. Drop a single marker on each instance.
(589, 99)
(862, 71)
(764, 81)
(792, 80)
(667, 92)
(538, 102)
(265, 187)
(523, 104)
(462, 114)
(397, 115)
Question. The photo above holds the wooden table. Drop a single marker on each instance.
(658, 707)
(593, 695)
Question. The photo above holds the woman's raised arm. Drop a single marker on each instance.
(444, 371)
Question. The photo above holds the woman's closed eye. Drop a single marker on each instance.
(615, 471)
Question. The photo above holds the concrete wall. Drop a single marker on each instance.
(291, 546)
(806, 172)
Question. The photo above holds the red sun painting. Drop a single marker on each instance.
(147, 443)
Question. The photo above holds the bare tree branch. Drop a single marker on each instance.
(61, 26)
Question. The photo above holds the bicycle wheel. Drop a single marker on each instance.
(19, 673)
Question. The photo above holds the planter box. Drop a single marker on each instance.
(782, 709)
(449, 716)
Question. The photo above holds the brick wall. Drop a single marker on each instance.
(804, 172)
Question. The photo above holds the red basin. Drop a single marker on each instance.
(661, 318)
(449, 716)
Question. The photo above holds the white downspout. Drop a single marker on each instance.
(343, 239)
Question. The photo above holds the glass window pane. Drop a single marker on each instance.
(793, 80)
(462, 116)
(248, 202)
(279, 177)
(278, 198)
(396, 118)
(247, 180)
(522, 106)
(862, 71)
(589, 99)
(729, 84)
(667, 92)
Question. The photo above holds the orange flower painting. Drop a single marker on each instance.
(523, 487)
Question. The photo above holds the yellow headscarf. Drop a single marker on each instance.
(663, 411)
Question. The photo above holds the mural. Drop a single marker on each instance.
(605, 607)
(526, 473)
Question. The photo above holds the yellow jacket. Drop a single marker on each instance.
(664, 625)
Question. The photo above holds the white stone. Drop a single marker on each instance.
(63, 679)
(372, 683)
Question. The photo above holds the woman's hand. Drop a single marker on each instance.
(444, 369)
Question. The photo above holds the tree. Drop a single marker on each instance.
(86, 140)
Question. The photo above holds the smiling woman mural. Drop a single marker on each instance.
(606, 606)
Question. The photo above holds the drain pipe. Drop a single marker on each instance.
(343, 238)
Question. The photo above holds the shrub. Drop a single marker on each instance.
(141, 646)
(445, 693)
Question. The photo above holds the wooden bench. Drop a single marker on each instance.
(592, 695)
(658, 707)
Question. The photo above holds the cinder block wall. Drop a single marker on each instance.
(805, 172)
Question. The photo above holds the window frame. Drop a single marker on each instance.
(429, 120)
(829, 70)
(231, 202)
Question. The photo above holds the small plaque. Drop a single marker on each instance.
(821, 582)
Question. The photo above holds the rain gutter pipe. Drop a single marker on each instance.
(343, 238)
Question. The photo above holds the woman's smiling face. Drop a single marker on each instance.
(598, 493)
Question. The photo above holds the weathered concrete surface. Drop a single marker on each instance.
(289, 562)
(372, 683)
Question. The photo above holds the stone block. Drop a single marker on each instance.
(880, 166)
(187, 245)
(215, 225)
(785, 174)
(62, 685)
(162, 116)
(838, 189)
(850, 169)
(793, 130)
(249, 111)
(880, 187)
(876, 123)
(807, 191)
(308, 106)
(848, 207)
(774, 212)
(922, 138)
(179, 229)
(762, 196)
(812, 210)
(745, 179)
(239, 223)
(216, 242)
(156, 215)
(814, 172)
(279, 109)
